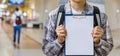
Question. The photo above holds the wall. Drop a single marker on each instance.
(49, 6)
(111, 7)
(43, 7)
(39, 9)
(101, 6)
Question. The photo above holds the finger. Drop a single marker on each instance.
(58, 34)
(62, 26)
(62, 32)
(59, 29)
(96, 36)
(99, 30)
(96, 39)
(98, 27)
(100, 34)
(62, 35)
(96, 33)
(59, 26)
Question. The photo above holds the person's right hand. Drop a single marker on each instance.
(61, 33)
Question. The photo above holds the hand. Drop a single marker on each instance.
(61, 33)
(97, 34)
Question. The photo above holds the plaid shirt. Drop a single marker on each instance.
(51, 46)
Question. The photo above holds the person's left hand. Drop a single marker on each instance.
(97, 33)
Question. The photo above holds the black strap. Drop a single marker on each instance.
(96, 11)
(61, 10)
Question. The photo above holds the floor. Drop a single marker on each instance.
(116, 41)
(28, 46)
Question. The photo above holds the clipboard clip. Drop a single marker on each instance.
(79, 16)
(82, 16)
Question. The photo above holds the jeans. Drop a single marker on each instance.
(17, 30)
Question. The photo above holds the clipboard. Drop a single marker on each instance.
(79, 41)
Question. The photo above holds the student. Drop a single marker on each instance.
(53, 43)
(17, 21)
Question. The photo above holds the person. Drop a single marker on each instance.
(52, 43)
(17, 21)
(2, 18)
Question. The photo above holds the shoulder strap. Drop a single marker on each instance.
(60, 20)
(97, 20)
(97, 17)
(60, 15)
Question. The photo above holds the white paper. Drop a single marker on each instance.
(79, 40)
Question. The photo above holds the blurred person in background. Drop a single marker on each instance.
(17, 18)
(2, 19)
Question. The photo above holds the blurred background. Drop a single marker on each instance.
(35, 12)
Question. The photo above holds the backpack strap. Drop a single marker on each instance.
(97, 21)
(60, 20)
(60, 15)
(97, 17)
